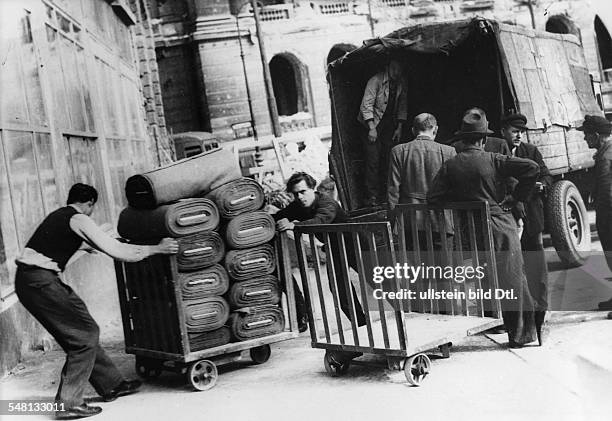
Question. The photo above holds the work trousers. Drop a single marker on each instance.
(536, 269)
(341, 275)
(65, 316)
(604, 231)
(376, 157)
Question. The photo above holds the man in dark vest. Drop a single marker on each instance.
(60, 310)
(476, 175)
(597, 132)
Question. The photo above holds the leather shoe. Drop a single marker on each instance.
(514, 345)
(126, 387)
(75, 412)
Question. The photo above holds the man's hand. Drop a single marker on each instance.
(397, 134)
(167, 246)
(284, 225)
(508, 203)
(372, 135)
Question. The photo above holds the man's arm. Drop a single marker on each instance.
(369, 99)
(439, 191)
(394, 180)
(91, 233)
(325, 212)
(545, 178)
(525, 171)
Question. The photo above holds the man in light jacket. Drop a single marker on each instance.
(382, 112)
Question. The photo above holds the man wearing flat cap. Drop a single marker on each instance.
(477, 175)
(597, 135)
(531, 211)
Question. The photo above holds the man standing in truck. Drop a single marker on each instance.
(597, 132)
(382, 112)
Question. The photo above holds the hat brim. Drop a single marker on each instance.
(460, 133)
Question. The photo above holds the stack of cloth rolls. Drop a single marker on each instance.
(226, 264)
(254, 294)
(170, 202)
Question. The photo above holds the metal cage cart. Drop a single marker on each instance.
(154, 327)
(401, 330)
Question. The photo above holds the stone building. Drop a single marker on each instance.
(204, 83)
(80, 102)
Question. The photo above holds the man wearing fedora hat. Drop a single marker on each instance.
(476, 175)
(597, 132)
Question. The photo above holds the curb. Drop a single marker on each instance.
(560, 317)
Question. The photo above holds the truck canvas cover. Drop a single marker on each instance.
(449, 67)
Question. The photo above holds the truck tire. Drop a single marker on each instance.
(568, 224)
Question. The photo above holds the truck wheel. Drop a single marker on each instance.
(568, 224)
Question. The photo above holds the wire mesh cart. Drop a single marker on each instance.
(400, 329)
(154, 327)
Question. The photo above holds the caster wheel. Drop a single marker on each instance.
(416, 368)
(148, 369)
(261, 354)
(333, 365)
(202, 375)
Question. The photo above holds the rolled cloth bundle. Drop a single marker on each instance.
(250, 230)
(249, 263)
(187, 216)
(205, 340)
(206, 314)
(237, 197)
(206, 282)
(190, 177)
(254, 292)
(256, 322)
(199, 250)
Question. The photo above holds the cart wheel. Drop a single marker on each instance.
(333, 366)
(148, 369)
(260, 354)
(202, 375)
(416, 368)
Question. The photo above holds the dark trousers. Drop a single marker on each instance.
(536, 270)
(376, 157)
(65, 316)
(604, 231)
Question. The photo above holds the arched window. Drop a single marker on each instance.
(561, 24)
(604, 45)
(290, 83)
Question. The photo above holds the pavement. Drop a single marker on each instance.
(568, 378)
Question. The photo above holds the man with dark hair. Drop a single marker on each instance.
(382, 112)
(597, 132)
(531, 212)
(476, 175)
(311, 207)
(61, 311)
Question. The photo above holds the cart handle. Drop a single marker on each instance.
(196, 251)
(250, 230)
(264, 322)
(202, 281)
(203, 315)
(260, 292)
(242, 199)
(252, 261)
(193, 219)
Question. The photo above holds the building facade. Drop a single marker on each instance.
(204, 81)
(73, 108)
